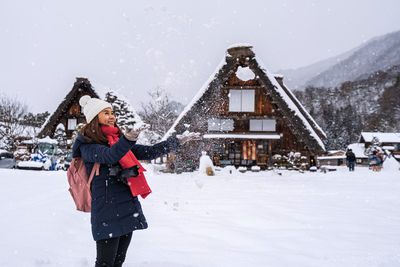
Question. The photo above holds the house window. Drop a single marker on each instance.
(241, 100)
(262, 147)
(220, 125)
(396, 147)
(71, 124)
(262, 125)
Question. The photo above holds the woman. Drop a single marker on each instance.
(116, 211)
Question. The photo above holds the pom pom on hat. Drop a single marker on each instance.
(84, 99)
(92, 106)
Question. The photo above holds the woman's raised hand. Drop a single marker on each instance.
(131, 134)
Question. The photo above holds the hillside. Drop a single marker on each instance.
(371, 104)
(380, 53)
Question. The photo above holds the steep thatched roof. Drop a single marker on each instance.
(297, 118)
(81, 86)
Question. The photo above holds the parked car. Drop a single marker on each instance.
(7, 160)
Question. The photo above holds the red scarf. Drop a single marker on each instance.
(138, 184)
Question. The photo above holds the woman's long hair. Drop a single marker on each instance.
(92, 133)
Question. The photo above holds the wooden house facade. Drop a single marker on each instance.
(246, 116)
(333, 158)
(69, 112)
(388, 141)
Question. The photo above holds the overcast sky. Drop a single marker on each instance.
(135, 46)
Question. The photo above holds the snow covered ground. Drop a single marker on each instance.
(252, 219)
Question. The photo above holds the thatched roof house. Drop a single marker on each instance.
(246, 115)
(68, 112)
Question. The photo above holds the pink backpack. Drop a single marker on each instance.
(79, 183)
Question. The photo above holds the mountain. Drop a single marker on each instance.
(380, 53)
(370, 104)
(296, 79)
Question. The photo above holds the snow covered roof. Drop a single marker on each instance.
(285, 99)
(382, 137)
(279, 76)
(242, 136)
(48, 140)
(295, 105)
(239, 45)
(358, 149)
(331, 152)
(245, 73)
(332, 157)
(81, 84)
(194, 100)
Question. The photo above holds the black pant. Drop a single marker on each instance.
(111, 252)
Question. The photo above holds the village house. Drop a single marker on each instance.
(68, 112)
(389, 142)
(333, 158)
(359, 151)
(246, 117)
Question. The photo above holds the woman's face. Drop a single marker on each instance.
(107, 118)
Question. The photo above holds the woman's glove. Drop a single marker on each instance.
(188, 136)
(132, 134)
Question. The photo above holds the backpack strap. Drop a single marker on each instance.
(96, 167)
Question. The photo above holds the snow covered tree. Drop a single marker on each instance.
(61, 138)
(12, 111)
(374, 147)
(342, 126)
(387, 115)
(76, 132)
(37, 120)
(123, 111)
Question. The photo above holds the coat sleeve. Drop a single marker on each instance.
(151, 152)
(104, 154)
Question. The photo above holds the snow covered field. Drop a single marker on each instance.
(252, 219)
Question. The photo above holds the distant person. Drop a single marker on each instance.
(379, 154)
(351, 159)
(374, 161)
(116, 211)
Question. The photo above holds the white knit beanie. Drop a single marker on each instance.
(92, 106)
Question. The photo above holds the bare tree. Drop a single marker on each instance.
(12, 112)
(160, 113)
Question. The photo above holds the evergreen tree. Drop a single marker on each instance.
(348, 127)
(329, 125)
(372, 104)
(76, 132)
(61, 138)
(123, 111)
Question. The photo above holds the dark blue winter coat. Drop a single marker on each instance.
(374, 160)
(115, 211)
